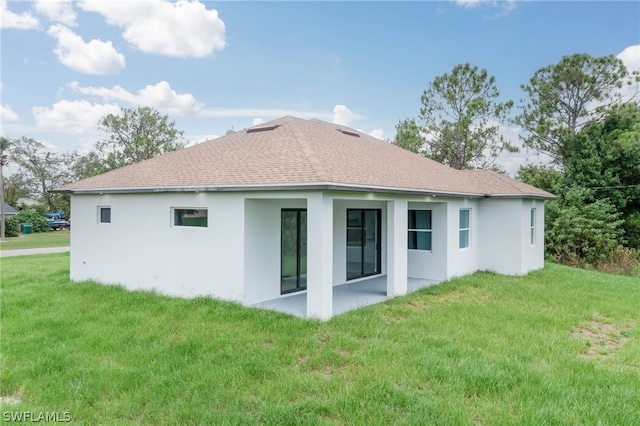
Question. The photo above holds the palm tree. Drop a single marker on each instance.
(5, 146)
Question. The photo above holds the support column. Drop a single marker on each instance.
(397, 248)
(320, 256)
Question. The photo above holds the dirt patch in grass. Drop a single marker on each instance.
(10, 400)
(603, 337)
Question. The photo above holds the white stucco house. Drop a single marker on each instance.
(299, 210)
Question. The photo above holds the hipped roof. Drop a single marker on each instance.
(293, 153)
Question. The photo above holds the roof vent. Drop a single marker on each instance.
(262, 129)
(347, 132)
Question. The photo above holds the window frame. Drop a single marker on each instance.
(533, 221)
(428, 231)
(173, 217)
(464, 230)
(100, 217)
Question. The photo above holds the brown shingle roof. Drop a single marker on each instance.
(301, 153)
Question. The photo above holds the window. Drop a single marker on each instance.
(465, 227)
(419, 229)
(104, 214)
(190, 217)
(533, 226)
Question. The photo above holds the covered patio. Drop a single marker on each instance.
(346, 297)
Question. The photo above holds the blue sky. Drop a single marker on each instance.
(213, 66)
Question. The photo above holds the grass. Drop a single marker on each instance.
(480, 350)
(37, 240)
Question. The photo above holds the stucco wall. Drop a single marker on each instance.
(141, 249)
(462, 261)
(262, 241)
(532, 255)
(237, 256)
(431, 264)
(501, 238)
(340, 248)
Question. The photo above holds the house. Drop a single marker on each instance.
(292, 210)
(9, 211)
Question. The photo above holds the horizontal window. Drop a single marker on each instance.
(419, 225)
(191, 217)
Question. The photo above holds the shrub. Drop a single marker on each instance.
(623, 261)
(39, 222)
(583, 231)
(11, 227)
(632, 230)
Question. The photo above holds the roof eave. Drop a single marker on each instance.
(325, 186)
(523, 195)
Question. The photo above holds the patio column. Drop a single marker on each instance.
(320, 256)
(397, 247)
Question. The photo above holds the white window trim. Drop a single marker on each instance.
(468, 229)
(99, 214)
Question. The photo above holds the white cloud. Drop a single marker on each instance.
(257, 121)
(182, 28)
(631, 57)
(265, 112)
(7, 114)
(95, 57)
(19, 21)
(57, 11)
(196, 140)
(468, 3)
(276, 113)
(75, 116)
(160, 96)
(505, 6)
(342, 115)
(377, 133)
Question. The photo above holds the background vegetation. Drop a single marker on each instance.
(583, 113)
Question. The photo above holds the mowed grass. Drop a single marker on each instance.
(37, 240)
(484, 349)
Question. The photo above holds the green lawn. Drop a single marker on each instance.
(37, 240)
(560, 346)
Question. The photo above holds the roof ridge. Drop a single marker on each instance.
(309, 154)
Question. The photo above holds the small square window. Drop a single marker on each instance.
(105, 214)
(191, 217)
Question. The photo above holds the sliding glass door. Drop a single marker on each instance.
(363, 242)
(293, 263)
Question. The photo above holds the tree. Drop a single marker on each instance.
(581, 231)
(41, 169)
(543, 177)
(564, 96)
(605, 155)
(5, 146)
(462, 117)
(408, 136)
(135, 135)
(87, 165)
